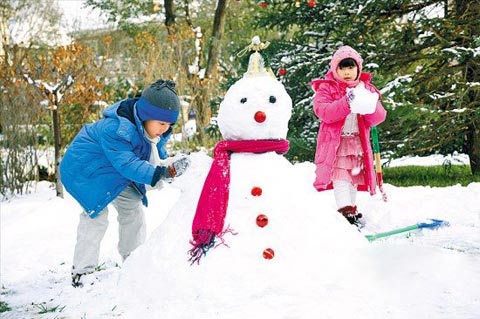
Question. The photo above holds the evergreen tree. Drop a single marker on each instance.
(424, 54)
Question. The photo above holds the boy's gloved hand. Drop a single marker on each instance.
(362, 101)
(167, 172)
(177, 168)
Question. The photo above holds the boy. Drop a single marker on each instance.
(111, 161)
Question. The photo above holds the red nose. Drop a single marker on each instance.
(260, 117)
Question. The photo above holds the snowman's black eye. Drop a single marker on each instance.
(243, 100)
(272, 99)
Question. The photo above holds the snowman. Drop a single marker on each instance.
(254, 124)
(242, 234)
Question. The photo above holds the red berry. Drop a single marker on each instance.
(312, 3)
(282, 72)
(268, 253)
(262, 220)
(260, 117)
(256, 191)
(263, 4)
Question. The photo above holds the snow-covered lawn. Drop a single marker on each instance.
(438, 271)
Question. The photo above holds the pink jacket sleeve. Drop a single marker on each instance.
(376, 117)
(380, 113)
(327, 108)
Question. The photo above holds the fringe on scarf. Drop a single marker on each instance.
(205, 240)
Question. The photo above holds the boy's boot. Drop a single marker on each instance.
(77, 280)
(351, 214)
(80, 280)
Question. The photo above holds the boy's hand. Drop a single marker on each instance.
(167, 172)
(178, 167)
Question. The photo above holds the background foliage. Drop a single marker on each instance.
(424, 56)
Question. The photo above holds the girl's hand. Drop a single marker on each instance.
(362, 101)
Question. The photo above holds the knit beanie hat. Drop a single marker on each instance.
(342, 53)
(159, 102)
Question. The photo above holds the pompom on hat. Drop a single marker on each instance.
(159, 102)
(345, 52)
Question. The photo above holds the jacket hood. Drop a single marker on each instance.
(342, 53)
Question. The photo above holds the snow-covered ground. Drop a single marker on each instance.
(433, 160)
(436, 273)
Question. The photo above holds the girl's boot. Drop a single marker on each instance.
(351, 214)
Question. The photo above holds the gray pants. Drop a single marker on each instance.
(90, 232)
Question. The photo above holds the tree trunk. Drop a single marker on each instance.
(58, 146)
(473, 148)
(204, 112)
(217, 34)
(201, 88)
(169, 16)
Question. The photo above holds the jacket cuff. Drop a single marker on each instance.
(157, 175)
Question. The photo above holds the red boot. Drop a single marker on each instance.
(351, 214)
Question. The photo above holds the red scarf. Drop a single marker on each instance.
(212, 205)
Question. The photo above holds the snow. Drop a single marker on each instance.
(432, 160)
(430, 274)
(322, 267)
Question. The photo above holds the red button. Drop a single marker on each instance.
(262, 220)
(256, 191)
(268, 253)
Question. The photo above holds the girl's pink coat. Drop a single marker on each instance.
(331, 107)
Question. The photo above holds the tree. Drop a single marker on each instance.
(53, 73)
(435, 51)
(23, 26)
(424, 54)
(195, 39)
(205, 82)
(19, 137)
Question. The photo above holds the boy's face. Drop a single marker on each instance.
(155, 128)
(348, 73)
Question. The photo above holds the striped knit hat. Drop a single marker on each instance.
(159, 102)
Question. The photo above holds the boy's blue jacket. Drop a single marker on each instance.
(108, 155)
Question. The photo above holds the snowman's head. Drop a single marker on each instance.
(255, 107)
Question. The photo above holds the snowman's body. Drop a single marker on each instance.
(262, 186)
(266, 184)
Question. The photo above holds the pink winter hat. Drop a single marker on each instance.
(345, 52)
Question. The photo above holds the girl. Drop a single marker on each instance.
(347, 105)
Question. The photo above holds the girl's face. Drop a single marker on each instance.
(348, 73)
(155, 128)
